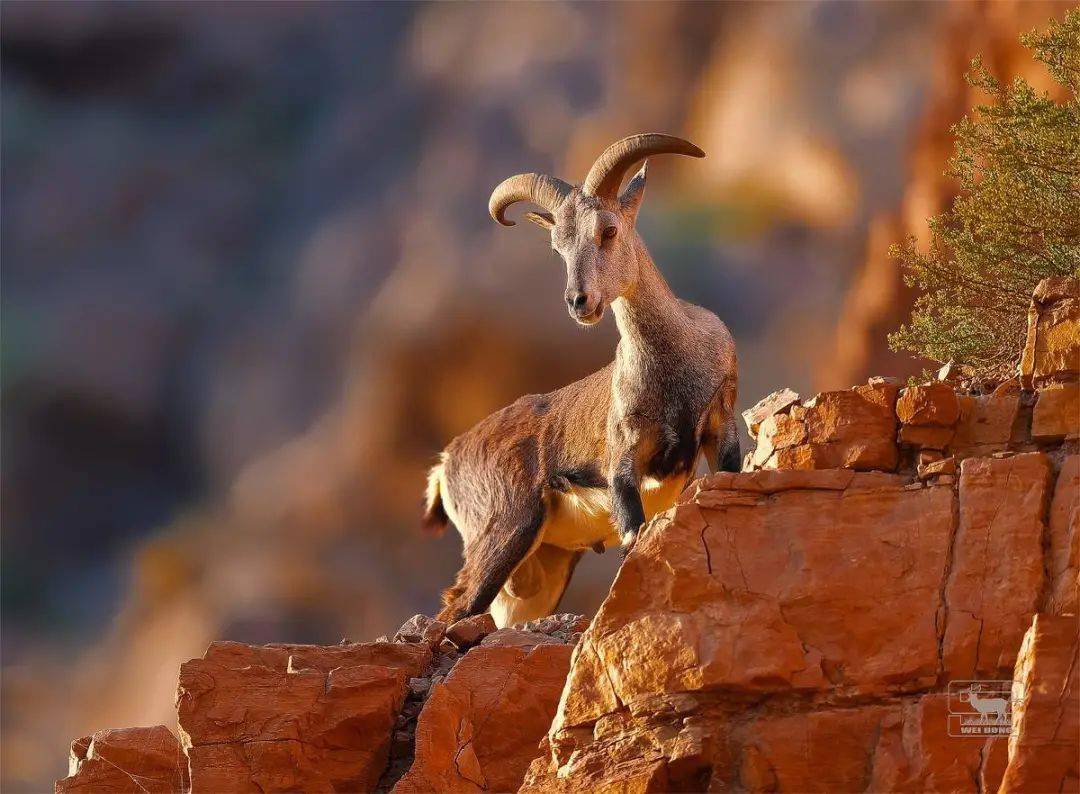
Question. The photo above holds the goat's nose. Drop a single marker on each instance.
(576, 300)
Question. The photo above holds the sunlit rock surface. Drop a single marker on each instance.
(800, 626)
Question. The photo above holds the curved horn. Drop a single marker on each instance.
(541, 189)
(608, 171)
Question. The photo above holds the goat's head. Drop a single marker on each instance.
(592, 226)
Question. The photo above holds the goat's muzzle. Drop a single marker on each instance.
(586, 308)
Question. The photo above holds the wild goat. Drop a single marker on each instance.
(532, 486)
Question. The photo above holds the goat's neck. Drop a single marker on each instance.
(649, 316)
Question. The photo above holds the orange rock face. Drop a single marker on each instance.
(797, 630)
(985, 425)
(293, 717)
(777, 402)
(135, 760)
(1057, 413)
(796, 627)
(1045, 741)
(481, 728)
(1053, 339)
(997, 573)
(915, 753)
(933, 405)
(852, 429)
(1064, 564)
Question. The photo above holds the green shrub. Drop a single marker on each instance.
(1015, 221)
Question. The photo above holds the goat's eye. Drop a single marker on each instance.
(609, 233)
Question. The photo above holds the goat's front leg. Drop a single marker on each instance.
(626, 509)
(730, 457)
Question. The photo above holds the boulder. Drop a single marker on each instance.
(932, 404)
(126, 761)
(421, 628)
(469, 631)
(853, 428)
(928, 416)
(290, 717)
(926, 437)
(936, 468)
(1057, 413)
(791, 588)
(776, 403)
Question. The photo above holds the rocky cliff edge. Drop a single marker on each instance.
(885, 599)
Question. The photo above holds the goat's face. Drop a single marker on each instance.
(592, 227)
(596, 241)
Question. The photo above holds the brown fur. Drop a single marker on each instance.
(532, 486)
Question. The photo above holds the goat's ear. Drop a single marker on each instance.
(545, 219)
(635, 191)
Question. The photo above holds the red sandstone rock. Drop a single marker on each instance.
(743, 591)
(469, 631)
(781, 629)
(928, 415)
(1052, 349)
(817, 597)
(933, 404)
(421, 628)
(775, 403)
(1057, 413)
(936, 468)
(928, 456)
(780, 431)
(289, 717)
(997, 569)
(517, 638)
(854, 429)
(1065, 539)
(926, 437)
(128, 760)
(915, 752)
(985, 425)
(827, 750)
(482, 727)
(1045, 741)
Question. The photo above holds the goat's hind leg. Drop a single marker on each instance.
(534, 590)
(489, 561)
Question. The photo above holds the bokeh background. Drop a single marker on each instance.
(250, 288)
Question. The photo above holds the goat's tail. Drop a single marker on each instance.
(435, 519)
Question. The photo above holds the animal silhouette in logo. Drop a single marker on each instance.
(987, 706)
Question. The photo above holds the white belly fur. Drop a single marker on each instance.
(581, 517)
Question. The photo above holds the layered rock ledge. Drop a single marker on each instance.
(813, 623)
(798, 631)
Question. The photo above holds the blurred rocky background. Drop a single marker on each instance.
(250, 288)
